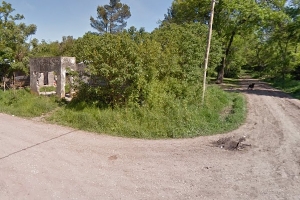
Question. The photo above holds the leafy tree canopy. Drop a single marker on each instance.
(14, 49)
(149, 69)
(56, 48)
(232, 19)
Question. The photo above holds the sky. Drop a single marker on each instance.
(57, 18)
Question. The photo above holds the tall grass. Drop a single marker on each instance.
(179, 120)
(222, 112)
(22, 103)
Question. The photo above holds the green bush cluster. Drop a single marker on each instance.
(135, 68)
(149, 86)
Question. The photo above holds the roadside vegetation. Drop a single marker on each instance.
(176, 119)
(222, 112)
(290, 86)
(24, 104)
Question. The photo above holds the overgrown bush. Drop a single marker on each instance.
(149, 85)
(136, 68)
(175, 118)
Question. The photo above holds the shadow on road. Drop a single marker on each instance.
(261, 88)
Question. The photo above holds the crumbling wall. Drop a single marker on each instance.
(43, 66)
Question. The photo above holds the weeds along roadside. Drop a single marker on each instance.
(24, 104)
(222, 112)
(288, 85)
(175, 121)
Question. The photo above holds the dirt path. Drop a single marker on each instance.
(42, 161)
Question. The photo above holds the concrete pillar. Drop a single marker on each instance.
(61, 82)
(51, 78)
(34, 76)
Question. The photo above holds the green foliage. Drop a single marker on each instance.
(288, 85)
(236, 57)
(176, 119)
(188, 11)
(111, 18)
(114, 67)
(232, 19)
(183, 49)
(22, 103)
(14, 51)
(52, 49)
(134, 67)
(44, 49)
(47, 88)
(186, 45)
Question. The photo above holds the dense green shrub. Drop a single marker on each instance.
(137, 68)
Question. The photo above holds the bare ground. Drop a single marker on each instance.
(260, 160)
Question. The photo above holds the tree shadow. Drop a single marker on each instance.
(260, 88)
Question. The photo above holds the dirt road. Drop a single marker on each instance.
(42, 161)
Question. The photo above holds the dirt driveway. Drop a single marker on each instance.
(42, 161)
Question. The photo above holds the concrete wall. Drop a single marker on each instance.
(44, 65)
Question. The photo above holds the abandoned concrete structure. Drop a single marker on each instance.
(50, 71)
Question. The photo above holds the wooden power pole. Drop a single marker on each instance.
(208, 47)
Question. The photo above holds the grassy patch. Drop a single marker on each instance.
(178, 120)
(47, 89)
(231, 81)
(53, 88)
(228, 83)
(222, 112)
(22, 103)
(289, 86)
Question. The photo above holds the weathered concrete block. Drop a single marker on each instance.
(57, 65)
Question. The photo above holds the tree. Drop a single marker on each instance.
(284, 40)
(113, 64)
(184, 47)
(142, 69)
(232, 19)
(111, 18)
(56, 48)
(14, 50)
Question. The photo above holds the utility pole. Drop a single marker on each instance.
(208, 47)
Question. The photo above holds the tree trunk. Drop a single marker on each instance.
(223, 63)
(3, 78)
(221, 71)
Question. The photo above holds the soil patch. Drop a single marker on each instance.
(231, 143)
